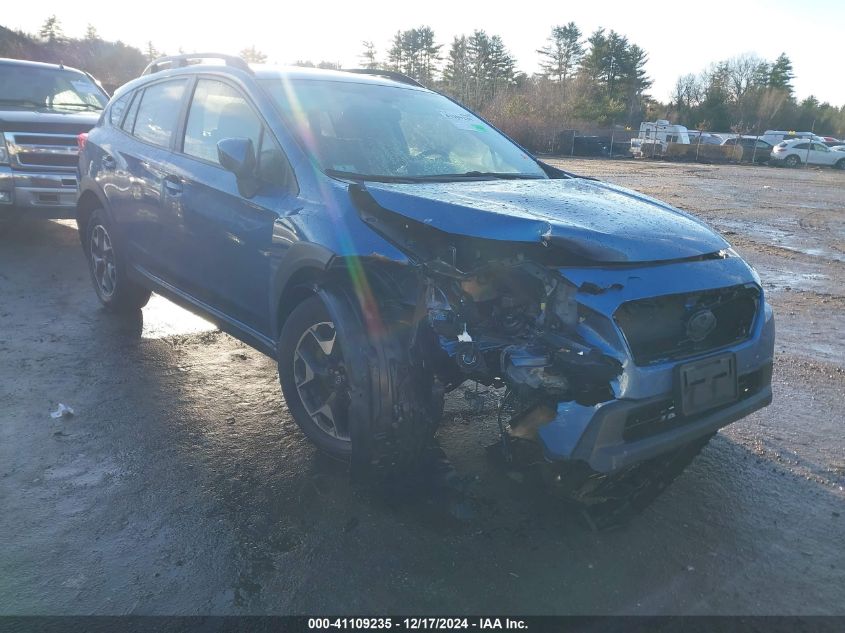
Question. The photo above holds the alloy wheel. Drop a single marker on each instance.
(103, 261)
(320, 376)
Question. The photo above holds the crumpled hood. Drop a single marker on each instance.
(594, 220)
(41, 121)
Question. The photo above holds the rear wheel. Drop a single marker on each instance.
(108, 268)
(792, 161)
(352, 390)
(840, 164)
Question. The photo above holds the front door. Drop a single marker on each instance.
(226, 236)
(822, 155)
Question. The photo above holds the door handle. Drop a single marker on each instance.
(108, 162)
(172, 186)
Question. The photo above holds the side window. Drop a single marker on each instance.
(218, 111)
(118, 108)
(820, 148)
(273, 165)
(802, 146)
(158, 112)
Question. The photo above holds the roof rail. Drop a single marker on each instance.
(387, 74)
(179, 61)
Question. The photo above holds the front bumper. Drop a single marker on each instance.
(641, 422)
(38, 194)
(598, 434)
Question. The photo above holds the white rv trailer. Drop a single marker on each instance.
(654, 137)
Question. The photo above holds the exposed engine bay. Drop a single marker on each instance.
(513, 323)
(581, 347)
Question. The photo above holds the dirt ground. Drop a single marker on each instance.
(182, 486)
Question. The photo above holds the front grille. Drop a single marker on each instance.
(38, 151)
(45, 139)
(661, 416)
(663, 328)
(47, 160)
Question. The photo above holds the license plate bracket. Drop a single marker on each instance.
(706, 384)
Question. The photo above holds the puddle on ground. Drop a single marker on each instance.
(163, 318)
(782, 238)
(775, 280)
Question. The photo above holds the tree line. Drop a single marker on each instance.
(747, 94)
(597, 80)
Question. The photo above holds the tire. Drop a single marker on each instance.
(355, 396)
(108, 267)
(792, 161)
(840, 164)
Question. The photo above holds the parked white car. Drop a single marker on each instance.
(799, 151)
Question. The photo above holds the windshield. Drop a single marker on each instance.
(391, 133)
(29, 87)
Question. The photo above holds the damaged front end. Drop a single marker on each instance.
(603, 363)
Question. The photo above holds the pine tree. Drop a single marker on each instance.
(252, 55)
(91, 33)
(151, 52)
(457, 72)
(781, 75)
(414, 53)
(502, 66)
(563, 52)
(51, 30)
(368, 57)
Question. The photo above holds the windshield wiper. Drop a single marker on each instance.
(86, 106)
(351, 175)
(503, 175)
(487, 175)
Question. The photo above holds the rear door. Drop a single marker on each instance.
(225, 237)
(148, 207)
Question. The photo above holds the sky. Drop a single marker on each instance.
(680, 38)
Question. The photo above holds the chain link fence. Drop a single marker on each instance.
(703, 147)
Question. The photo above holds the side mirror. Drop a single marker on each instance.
(237, 155)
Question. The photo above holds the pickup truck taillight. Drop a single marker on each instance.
(81, 140)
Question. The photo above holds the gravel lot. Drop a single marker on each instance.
(182, 486)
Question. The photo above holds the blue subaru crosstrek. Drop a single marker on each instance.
(386, 245)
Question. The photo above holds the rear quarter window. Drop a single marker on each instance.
(117, 109)
(158, 112)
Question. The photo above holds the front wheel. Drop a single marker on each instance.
(108, 268)
(351, 387)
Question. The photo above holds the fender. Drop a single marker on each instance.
(88, 188)
(299, 257)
